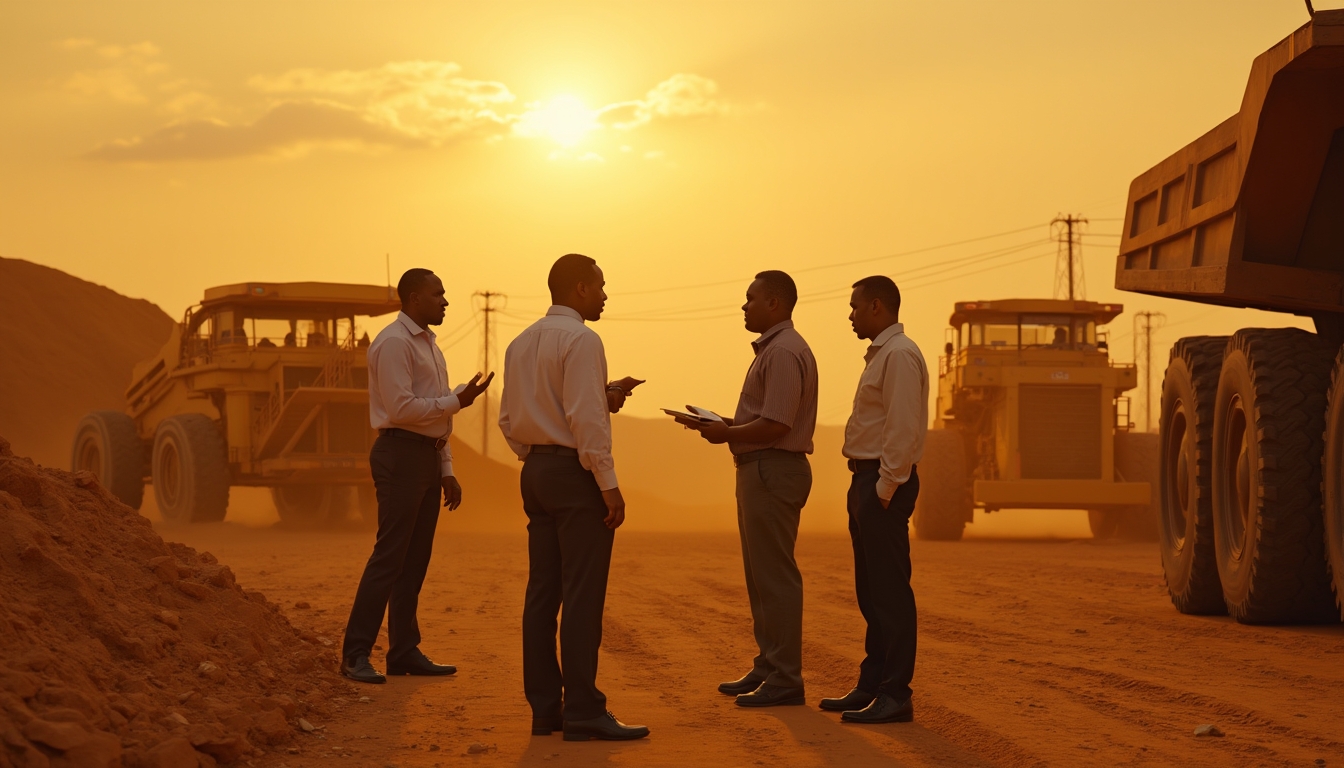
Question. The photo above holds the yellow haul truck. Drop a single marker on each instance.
(1030, 415)
(261, 384)
(1251, 214)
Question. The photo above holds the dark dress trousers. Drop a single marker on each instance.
(407, 478)
(569, 548)
(881, 539)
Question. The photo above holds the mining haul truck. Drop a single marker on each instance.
(261, 384)
(1251, 214)
(1030, 414)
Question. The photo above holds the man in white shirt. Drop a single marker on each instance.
(884, 439)
(412, 406)
(556, 415)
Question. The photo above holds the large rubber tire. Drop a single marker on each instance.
(1268, 422)
(1183, 494)
(1332, 484)
(191, 469)
(943, 505)
(366, 498)
(1104, 523)
(107, 445)
(311, 506)
(1137, 460)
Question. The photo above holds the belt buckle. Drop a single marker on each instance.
(438, 444)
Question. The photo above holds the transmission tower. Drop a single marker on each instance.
(1070, 282)
(1143, 345)
(487, 307)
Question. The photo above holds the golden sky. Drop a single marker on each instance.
(162, 147)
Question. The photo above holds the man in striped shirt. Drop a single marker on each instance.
(770, 436)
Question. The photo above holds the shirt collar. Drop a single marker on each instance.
(888, 333)
(411, 327)
(765, 338)
(559, 310)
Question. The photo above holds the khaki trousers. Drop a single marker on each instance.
(772, 487)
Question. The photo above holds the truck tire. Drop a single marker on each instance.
(1332, 483)
(943, 505)
(1183, 494)
(1137, 460)
(107, 445)
(1268, 426)
(1104, 523)
(310, 506)
(367, 499)
(191, 469)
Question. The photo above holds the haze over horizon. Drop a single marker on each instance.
(159, 149)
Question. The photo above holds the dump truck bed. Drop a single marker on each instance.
(1251, 214)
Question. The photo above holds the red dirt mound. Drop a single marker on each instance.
(68, 347)
(118, 649)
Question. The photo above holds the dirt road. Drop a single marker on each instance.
(1031, 653)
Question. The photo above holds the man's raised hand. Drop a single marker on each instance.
(474, 389)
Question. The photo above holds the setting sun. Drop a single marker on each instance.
(564, 120)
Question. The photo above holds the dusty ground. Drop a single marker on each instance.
(1031, 653)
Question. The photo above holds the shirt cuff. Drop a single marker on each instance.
(446, 467)
(450, 404)
(886, 489)
(606, 479)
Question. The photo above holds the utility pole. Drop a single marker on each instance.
(487, 308)
(1069, 241)
(1143, 338)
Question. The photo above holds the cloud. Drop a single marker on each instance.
(678, 97)
(289, 128)
(401, 104)
(129, 74)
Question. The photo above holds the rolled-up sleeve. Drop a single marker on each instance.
(902, 388)
(584, 398)
(395, 371)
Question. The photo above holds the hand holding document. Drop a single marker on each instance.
(696, 417)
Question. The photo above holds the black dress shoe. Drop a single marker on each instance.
(603, 728)
(884, 709)
(852, 701)
(748, 683)
(420, 665)
(361, 671)
(544, 726)
(772, 696)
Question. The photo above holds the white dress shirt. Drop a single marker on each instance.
(555, 392)
(408, 384)
(891, 409)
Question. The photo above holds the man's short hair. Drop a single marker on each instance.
(568, 271)
(411, 281)
(778, 285)
(883, 289)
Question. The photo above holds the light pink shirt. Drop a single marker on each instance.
(555, 392)
(891, 409)
(408, 384)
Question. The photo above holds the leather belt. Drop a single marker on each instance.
(558, 450)
(865, 465)
(765, 453)
(406, 434)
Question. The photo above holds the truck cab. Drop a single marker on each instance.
(1030, 399)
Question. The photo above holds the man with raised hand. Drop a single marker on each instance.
(770, 436)
(556, 415)
(884, 439)
(412, 406)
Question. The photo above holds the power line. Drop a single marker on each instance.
(1147, 347)
(1068, 242)
(837, 264)
(487, 342)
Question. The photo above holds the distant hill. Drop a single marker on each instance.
(66, 348)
